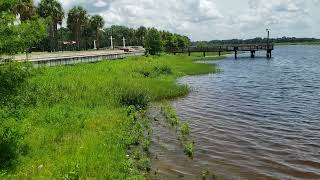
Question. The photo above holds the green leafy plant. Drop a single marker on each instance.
(185, 129)
(188, 149)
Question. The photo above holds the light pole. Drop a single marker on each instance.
(268, 31)
(268, 48)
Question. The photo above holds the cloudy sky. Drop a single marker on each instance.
(211, 19)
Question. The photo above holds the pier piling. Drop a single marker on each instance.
(253, 54)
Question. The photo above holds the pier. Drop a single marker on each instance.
(252, 48)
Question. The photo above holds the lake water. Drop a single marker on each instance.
(257, 119)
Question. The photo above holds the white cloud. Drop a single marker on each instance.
(211, 19)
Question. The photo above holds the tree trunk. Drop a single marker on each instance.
(51, 38)
(97, 40)
(78, 37)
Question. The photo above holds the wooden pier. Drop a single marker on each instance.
(252, 48)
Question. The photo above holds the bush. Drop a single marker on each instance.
(9, 147)
(162, 70)
(134, 97)
(170, 114)
(155, 71)
(12, 77)
(185, 129)
(188, 149)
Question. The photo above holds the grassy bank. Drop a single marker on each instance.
(75, 121)
(299, 43)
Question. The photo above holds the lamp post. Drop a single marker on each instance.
(268, 48)
(96, 42)
(268, 31)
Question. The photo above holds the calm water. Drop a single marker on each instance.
(258, 118)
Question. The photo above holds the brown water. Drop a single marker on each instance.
(258, 119)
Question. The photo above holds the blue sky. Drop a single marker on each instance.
(211, 19)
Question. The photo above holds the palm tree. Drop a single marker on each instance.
(52, 9)
(97, 23)
(25, 9)
(77, 18)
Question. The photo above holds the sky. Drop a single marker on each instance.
(211, 19)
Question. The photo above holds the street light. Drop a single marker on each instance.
(97, 40)
(268, 30)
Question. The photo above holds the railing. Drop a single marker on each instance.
(68, 60)
(223, 48)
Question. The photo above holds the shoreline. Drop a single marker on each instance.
(81, 117)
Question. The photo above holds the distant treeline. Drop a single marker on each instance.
(40, 25)
(254, 41)
(134, 37)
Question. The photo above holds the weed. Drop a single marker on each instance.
(185, 129)
(188, 149)
(134, 97)
(170, 115)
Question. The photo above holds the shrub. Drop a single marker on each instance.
(12, 77)
(134, 97)
(9, 146)
(185, 129)
(162, 70)
(170, 115)
(188, 149)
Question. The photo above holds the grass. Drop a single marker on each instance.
(170, 115)
(183, 129)
(188, 149)
(87, 121)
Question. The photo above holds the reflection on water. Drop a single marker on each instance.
(258, 118)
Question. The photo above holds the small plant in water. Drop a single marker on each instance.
(188, 149)
(185, 129)
(170, 114)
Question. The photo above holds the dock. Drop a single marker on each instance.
(252, 48)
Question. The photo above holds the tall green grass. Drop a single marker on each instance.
(73, 122)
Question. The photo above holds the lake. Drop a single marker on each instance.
(256, 119)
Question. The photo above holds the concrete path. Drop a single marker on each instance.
(45, 55)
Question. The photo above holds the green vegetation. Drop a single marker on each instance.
(19, 36)
(77, 18)
(188, 149)
(183, 128)
(259, 40)
(51, 10)
(297, 43)
(170, 114)
(85, 121)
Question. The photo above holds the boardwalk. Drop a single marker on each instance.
(252, 48)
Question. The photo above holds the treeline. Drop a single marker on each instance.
(254, 41)
(25, 27)
(83, 29)
(164, 40)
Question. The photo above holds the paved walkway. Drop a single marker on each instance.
(45, 55)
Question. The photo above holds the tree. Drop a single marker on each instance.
(77, 18)
(53, 11)
(140, 35)
(16, 36)
(24, 9)
(97, 23)
(153, 41)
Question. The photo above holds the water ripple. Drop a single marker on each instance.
(259, 118)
